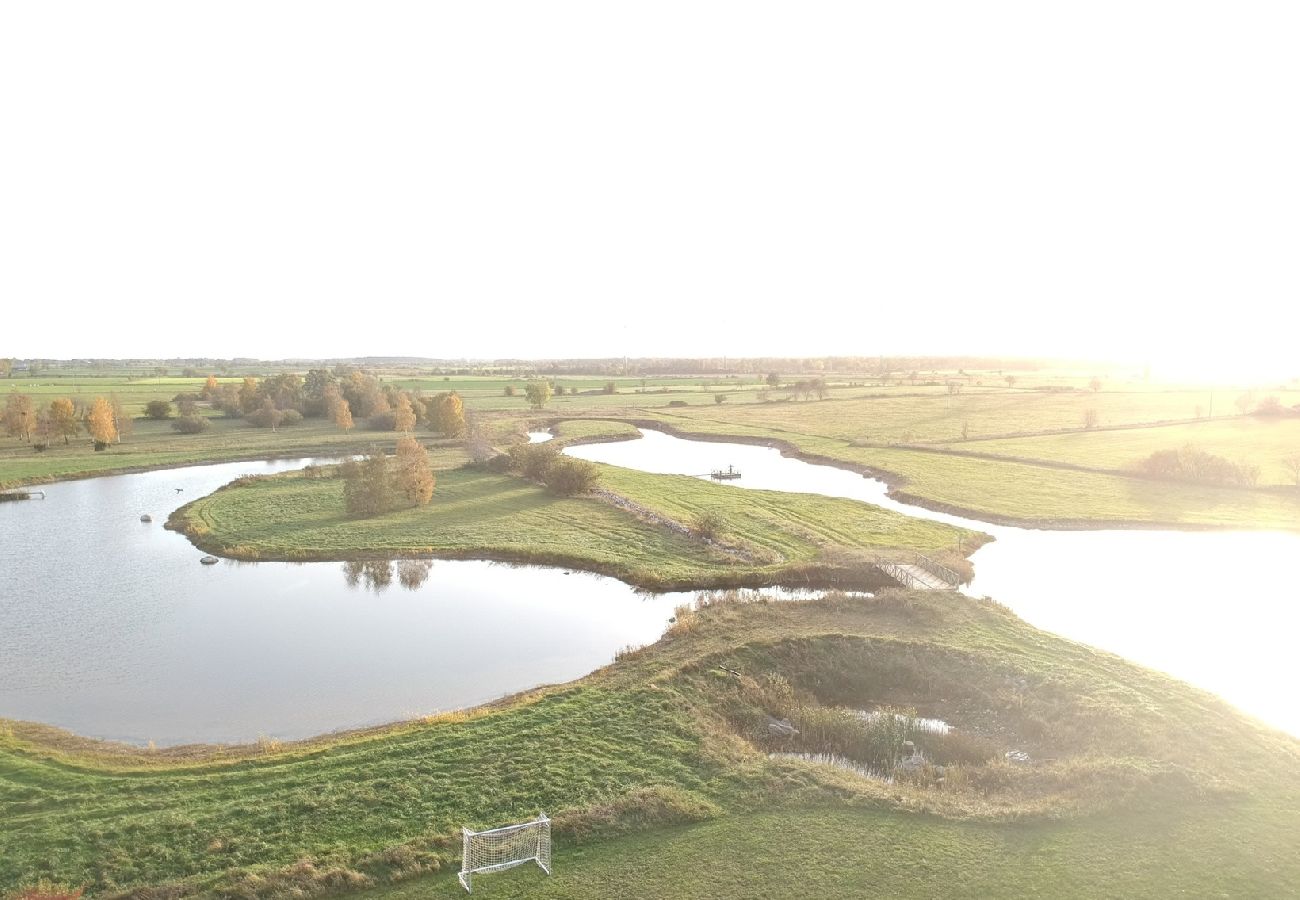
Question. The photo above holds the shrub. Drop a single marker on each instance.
(532, 460)
(610, 388)
(265, 416)
(1191, 463)
(719, 398)
(709, 525)
(382, 421)
(567, 476)
(509, 390)
(676, 402)
(1270, 407)
(158, 409)
(191, 424)
(290, 417)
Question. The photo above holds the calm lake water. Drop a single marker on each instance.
(1219, 609)
(111, 627)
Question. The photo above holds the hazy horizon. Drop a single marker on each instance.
(697, 180)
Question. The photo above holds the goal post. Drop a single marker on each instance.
(503, 848)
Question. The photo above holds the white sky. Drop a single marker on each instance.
(589, 179)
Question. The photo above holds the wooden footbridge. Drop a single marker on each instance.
(920, 573)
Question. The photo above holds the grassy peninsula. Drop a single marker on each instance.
(638, 527)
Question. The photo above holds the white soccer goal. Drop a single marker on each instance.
(502, 848)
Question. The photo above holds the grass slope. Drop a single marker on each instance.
(475, 513)
(1154, 788)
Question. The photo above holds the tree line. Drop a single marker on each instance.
(344, 396)
(104, 419)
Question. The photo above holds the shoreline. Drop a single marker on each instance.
(896, 483)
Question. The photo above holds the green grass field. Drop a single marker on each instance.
(1262, 442)
(769, 537)
(861, 423)
(1144, 786)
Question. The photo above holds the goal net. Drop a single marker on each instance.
(502, 848)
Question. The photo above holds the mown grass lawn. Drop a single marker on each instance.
(828, 852)
(766, 535)
(1155, 789)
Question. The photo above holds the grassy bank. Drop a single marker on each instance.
(660, 787)
(1021, 492)
(763, 536)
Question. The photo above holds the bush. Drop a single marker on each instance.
(191, 424)
(1270, 407)
(1193, 464)
(676, 402)
(532, 460)
(610, 388)
(265, 416)
(384, 421)
(158, 409)
(567, 476)
(290, 417)
(709, 525)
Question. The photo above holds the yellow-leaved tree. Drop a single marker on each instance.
(99, 422)
(449, 414)
(415, 477)
(404, 414)
(63, 418)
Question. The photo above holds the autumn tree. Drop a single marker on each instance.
(123, 424)
(210, 388)
(100, 423)
(6, 368)
(403, 414)
(538, 393)
(63, 419)
(367, 485)
(415, 479)
(449, 414)
(249, 396)
(19, 416)
(1094, 385)
(342, 414)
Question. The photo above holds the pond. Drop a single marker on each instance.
(1215, 608)
(111, 628)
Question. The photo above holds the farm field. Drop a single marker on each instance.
(863, 422)
(764, 536)
(650, 767)
(940, 418)
(1263, 442)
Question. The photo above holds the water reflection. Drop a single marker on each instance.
(137, 641)
(377, 574)
(1216, 608)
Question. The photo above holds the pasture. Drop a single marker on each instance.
(1144, 784)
